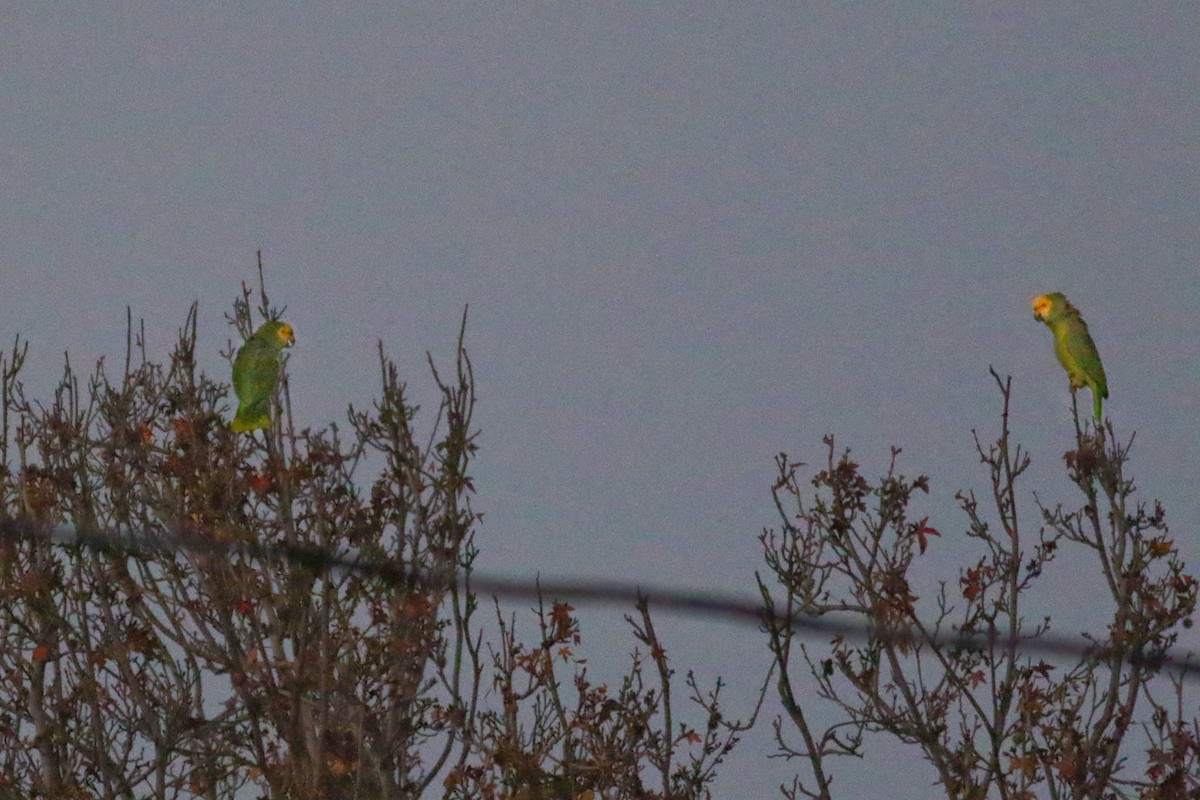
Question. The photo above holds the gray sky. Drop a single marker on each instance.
(690, 239)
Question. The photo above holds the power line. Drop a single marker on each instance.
(696, 603)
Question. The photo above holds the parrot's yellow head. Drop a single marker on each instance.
(278, 333)
(1045, 305)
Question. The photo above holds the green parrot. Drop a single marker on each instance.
(1073, 345)
(255, 373)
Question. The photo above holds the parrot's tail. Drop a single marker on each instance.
(1097, 400)
(251, 417)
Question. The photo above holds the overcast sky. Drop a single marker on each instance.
(690, 237)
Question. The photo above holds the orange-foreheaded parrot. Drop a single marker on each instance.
(255, 373)
(1073, 345)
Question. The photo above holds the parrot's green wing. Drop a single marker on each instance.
(255, 373)
(1082, 361)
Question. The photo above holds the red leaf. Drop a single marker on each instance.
(259, 483)
(560, 618)
(923, 531)
(1160, 547)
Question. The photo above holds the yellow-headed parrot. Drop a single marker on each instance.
(255, 373)
(1073, 345)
